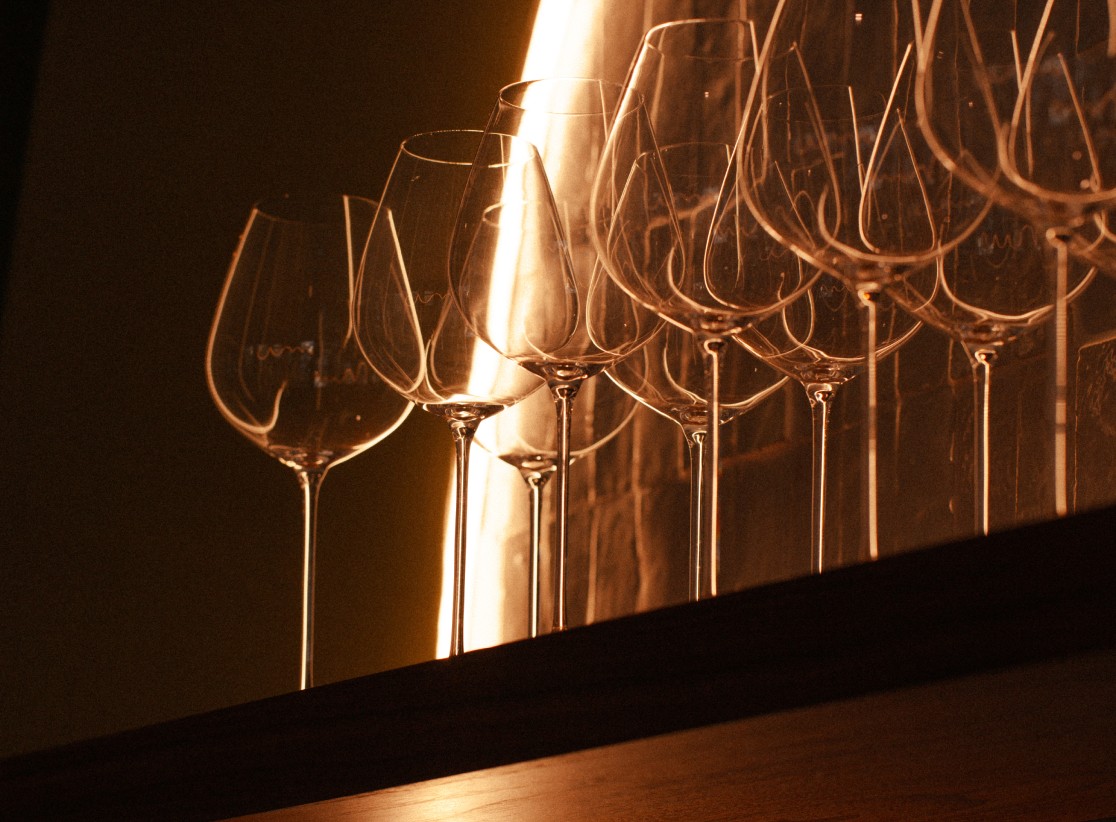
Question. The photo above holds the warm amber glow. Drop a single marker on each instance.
(560, 46)
(561, 37)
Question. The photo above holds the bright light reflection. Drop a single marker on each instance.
(509, 247)
(560, 46)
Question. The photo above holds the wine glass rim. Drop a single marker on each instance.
(444, 138)
(652, 41)
(467, 140)
(306, 207)
(608, 106)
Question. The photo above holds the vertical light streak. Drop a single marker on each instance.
(562, 43)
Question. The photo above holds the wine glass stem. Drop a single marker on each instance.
(564, 393)
(712, 348)
(820, 395)
(1059, 238)
(463, 431)
(311, 483)
(695, 445)
(536, 481)
(869, 296)
(982, 358)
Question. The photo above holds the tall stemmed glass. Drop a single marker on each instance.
(1037, 131)
(668, 376)
(988, 291)
(525, 437)
(526, 273)
(817, 341)
(665, 166)
(409, 327)
(282, 364)
(833, 164)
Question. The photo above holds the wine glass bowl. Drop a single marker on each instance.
(1036, 123)
(408, 324)
(282, 363)
(525, 437)
(667, 375)
(526, 272)
(991, 289)
(662, 181)
(517, 251)
(815, 339)
(304, 396)
(839, 177)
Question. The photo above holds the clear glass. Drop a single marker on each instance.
(832, 163)
(1032, 82)
(664, 170)
(408, 326)
(525, 437)
(817, 341)
(668, 376)
(282, 364)
(986, 292)
(525, 270)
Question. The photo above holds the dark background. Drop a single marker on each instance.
(149, 556)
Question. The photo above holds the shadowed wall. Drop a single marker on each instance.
(150, 557)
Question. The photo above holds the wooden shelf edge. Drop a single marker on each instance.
(1037, 593)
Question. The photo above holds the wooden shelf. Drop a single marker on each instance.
(961, 681)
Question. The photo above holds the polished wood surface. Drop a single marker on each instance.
(855, 663)
(1023, 744)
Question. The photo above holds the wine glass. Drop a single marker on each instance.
(833, 164)
(668, 376)
(281, 362)
(525, 437)
(665, 165)
(816, 340)
(409, 327)
(525, 271)
(1037, 132)
(986, 292)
